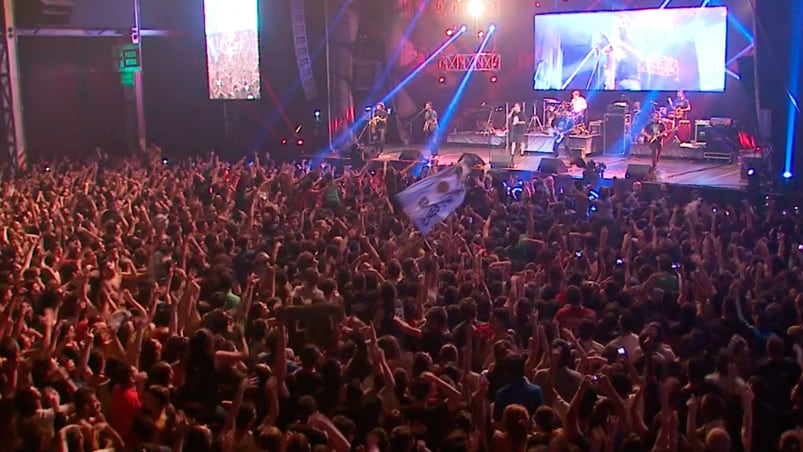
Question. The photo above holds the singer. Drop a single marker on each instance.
(517, 126)
(431, 128)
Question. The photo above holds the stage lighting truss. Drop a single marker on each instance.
(461, 62)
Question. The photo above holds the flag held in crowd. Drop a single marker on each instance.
(429, 201)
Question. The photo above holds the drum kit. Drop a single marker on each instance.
(558, 118)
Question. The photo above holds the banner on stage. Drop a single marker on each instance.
(430, 201)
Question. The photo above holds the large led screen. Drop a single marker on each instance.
(232, 48)
(641, 50)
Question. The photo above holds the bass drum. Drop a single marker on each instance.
(563, 124)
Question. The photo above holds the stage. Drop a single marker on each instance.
(671, 171)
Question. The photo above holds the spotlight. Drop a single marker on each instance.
(787, 174)
(317, 113)
(441, 79)
(537, 4)
(480, 34)
(368, 108)
(284, 140)
(463, 28)
(449, 32)
(300, 142)
(475, 8)
(491, 28)
(494, 79)
(751, 172)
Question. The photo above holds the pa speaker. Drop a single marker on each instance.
(551, 166)
(751, 166)
(411, 155)
(471, 160)
(637, 172)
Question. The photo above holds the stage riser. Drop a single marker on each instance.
(578, 145)
(475, 139)
(670, 151)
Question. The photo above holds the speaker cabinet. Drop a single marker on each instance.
(637, 172)
(411, 155)
(551, 166)
(616, 134)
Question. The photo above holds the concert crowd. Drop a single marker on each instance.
(256, 306)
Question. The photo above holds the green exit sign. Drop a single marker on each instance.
(127, 58)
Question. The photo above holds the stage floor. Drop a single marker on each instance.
(671, 171)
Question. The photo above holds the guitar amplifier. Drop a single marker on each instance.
(701, 127)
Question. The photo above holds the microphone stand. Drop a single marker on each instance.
(410, 123)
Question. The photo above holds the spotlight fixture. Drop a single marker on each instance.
(481, 34)
(494, 79)
(463, 28)
(537, 4)
(300, 142)
(317, 113)
(284, 140)
(751, 172)
(491, 28)
(441, 79)
(449, 32)
(787, 174)
(475, 8)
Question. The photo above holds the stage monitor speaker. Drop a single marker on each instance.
(751, 166)
(637, 172)
(472, 160)
(501, 160)
(411, 155)
(551, 166)
(50, 12)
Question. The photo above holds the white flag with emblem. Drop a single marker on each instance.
(429, 201)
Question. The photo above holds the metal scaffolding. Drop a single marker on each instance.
(10, 97)
(10, 100)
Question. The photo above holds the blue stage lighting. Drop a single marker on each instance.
(751, 172)
(491, 28)
(463, 28)
(787, 175)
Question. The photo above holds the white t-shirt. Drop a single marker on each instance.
(579, 104)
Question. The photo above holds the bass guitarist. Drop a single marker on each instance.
(654, 133)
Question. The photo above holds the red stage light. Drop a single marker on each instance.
(441, 79)
(537, 4)
(480, 34)
(284, 140)
(449, 32)
(300, 142)
(494, 79)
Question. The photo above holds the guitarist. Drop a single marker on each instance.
(379, 127)
(431, 128)
(681, 105)
(518, 124)
(654, 133)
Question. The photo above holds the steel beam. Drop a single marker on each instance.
(10, 97)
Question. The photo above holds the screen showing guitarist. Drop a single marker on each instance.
(431, 128)
(654, 133)
(379, 127)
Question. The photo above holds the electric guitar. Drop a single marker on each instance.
(660, 135)
(430, 124)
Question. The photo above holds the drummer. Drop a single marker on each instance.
(579, 107)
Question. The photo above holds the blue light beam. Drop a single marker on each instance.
(452, 108)
(794, 74)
